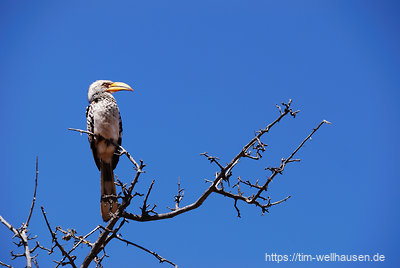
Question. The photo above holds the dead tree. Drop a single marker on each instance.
(223, 183)
(23, 236)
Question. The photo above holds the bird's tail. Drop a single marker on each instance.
(109, 203)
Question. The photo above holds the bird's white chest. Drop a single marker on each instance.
(106, 121)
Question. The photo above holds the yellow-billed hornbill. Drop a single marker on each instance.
(104, 120)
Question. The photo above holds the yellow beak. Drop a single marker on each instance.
(117, 86)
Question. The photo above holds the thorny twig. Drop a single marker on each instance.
(225, 173)
(161, 259)
(122, 151)
(98, 259)
(145, 206)
(285, 161)
(109, 232)
(179, 196)
(22, 232)
(34, 193)
(54, 238)
(253, 150)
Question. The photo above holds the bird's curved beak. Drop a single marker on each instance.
(117, 86)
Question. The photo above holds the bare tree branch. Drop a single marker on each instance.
(4, 264)
(121, 149)
(104, 237)
(226, 172)
(21, 232)
(53, 235)
(100, 242)
(179, 196)
(41, 247)
(253, 150)
(220, 184)
(161, 259)
(34, 193)
(285, 161)
(98, 259)
(213, 160)
(109, 233)
(145, 206)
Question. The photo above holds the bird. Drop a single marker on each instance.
(105, 124)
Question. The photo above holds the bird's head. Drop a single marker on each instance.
(105, 86)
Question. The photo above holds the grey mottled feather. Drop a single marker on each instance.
(105, 97)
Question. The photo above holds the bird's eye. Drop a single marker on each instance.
(107, 84)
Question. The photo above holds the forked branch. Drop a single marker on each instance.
(253, 150)
(22, 232)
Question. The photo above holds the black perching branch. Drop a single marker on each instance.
(245, 191)
(253, 150)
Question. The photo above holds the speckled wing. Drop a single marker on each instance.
(116, 156)
(90, 128)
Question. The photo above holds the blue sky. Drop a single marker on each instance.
(206, 75)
